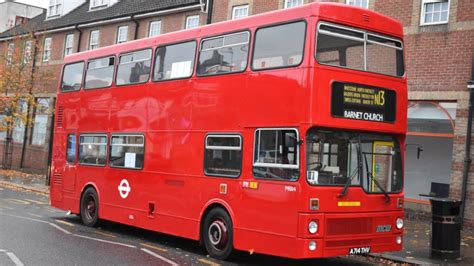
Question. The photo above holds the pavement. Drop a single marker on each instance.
(416, 241)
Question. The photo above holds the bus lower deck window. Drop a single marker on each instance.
(276, 154)
(127, 151)
(93, 149)
(223, 155)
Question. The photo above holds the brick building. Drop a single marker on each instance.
(439, 49)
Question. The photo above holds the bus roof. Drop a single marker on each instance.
(332, 12)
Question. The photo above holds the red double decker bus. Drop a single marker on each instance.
(280, 133)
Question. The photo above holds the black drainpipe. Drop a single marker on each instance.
(467, 156)
(209, 11)
(79, 39)
(137, 25)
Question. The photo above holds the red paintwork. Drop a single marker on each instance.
(176, 116)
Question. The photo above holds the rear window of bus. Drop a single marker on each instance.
(72, 77)
(100, 73)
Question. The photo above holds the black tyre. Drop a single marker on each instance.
(217, 234)
(90, 207)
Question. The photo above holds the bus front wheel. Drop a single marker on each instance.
(217, 234)
(90, 207)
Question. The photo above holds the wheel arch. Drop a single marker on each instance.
(84, 188)
(215, 203)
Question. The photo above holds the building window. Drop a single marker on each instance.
(293, 3)
(223, 155)
(192, 22)
(359, 3)
(20, 20)
(155, 28)
(122, 34)
(19, 129)
(434, 12)
(94, 40)
(127, 151)
(240, 11)
(47, 50)
(27, 52)
(3, 124)
(98, 3)
(54, 8)
(68, 47)
(10, 51)
(40, 122)
(93, 149)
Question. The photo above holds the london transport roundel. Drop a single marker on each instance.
(124, 188)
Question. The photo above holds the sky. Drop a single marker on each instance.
(40, 3)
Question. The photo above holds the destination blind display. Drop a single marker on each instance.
(362, 102)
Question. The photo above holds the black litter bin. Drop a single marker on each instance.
(446, 228)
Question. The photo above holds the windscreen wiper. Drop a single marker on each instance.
(349, 180)
(371, 177)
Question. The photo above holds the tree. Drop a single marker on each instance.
(21, 80)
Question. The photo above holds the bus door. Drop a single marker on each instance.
(271, 194)
(70, 168)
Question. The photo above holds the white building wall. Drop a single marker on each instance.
(10, 10)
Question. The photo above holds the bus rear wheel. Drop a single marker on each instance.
(90, 207)
(217, 234)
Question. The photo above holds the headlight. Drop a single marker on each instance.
(313, 227)
(399, 223)
(312, 246)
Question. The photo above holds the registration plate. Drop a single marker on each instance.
(358, 251)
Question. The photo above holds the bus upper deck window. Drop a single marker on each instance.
(174, 61)
(72, 77)
(279, 46)
(134, 67)
(100, 73)
(224, 54)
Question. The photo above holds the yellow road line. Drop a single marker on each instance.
(154, 247)
(35, 215)
(208, 262)
(17, 201)
(37, 202)
(64, 222)
(104, 234)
